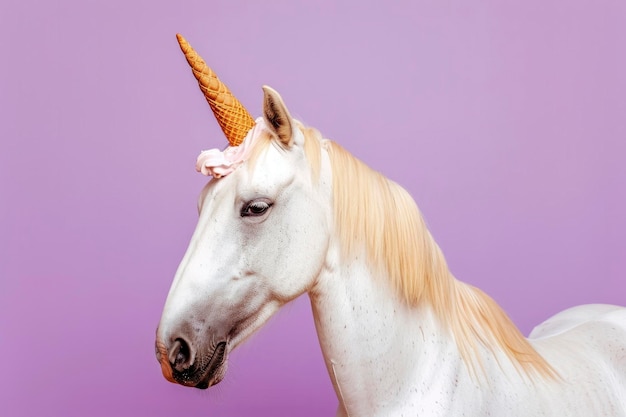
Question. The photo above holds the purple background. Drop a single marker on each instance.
(506, 122)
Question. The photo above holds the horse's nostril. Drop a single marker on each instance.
(180, 355)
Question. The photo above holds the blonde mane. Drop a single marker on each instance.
(375, 214)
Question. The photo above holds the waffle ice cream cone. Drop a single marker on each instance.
(232, 117)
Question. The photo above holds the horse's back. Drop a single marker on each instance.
(576, 316)
(587, 347)
(594, 332)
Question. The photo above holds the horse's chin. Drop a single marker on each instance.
(214, 377)
(216, 367)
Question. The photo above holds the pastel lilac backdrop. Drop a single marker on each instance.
(505, 121)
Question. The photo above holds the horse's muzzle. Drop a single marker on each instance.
(180, 364)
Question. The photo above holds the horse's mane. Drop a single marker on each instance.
(375, 214)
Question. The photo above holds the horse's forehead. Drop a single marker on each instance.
(272, 168)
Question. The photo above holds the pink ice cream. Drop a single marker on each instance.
(221, 163)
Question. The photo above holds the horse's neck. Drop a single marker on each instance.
(379, 351)
(385, 357)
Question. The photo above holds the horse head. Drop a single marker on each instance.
(260, 241)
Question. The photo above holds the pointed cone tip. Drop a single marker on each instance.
(234, 119)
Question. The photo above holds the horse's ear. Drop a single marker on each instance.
(277, 116)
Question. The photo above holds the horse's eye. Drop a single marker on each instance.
(255, 208)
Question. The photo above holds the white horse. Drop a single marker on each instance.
(294, 213)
